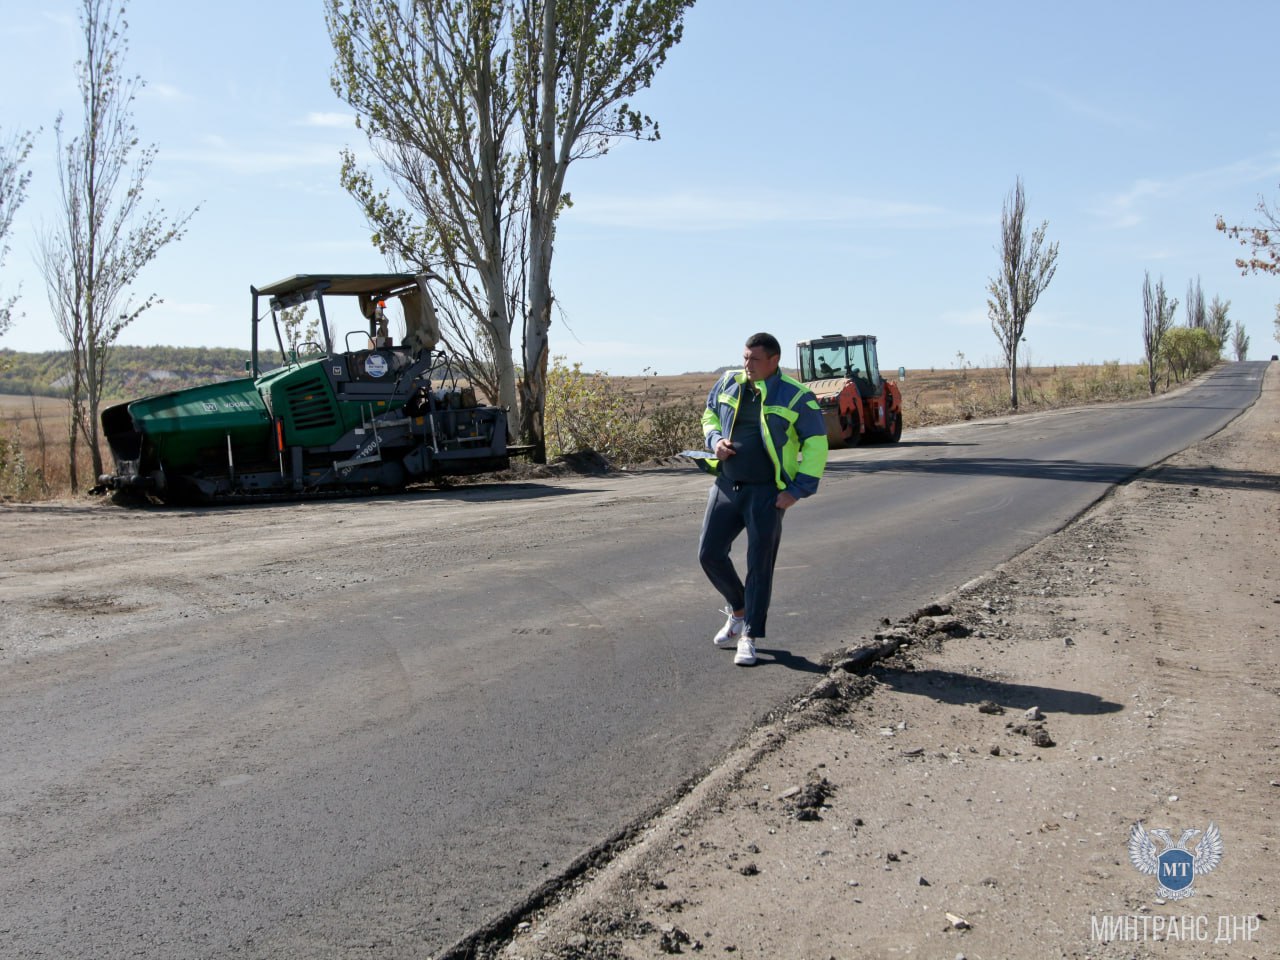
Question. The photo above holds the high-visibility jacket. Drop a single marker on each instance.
(791, 426)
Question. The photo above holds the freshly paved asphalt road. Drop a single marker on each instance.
(363, 729)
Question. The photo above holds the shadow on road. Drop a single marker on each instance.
(931, 443)
(494, 492)
(773, 656)
(947, 686)
(1070, 470)
(487, 492)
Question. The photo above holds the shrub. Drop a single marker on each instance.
(1187, 352)
(593, 411)
(17, 480)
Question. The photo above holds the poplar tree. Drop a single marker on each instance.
(1240, 342)
(105, 236)
(476, 109)
(1218, 323)
(1027, 265)
(13, 191)
(1157, 320)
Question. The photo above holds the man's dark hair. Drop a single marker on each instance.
(766, 340)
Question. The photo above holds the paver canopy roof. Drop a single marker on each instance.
(340, 283)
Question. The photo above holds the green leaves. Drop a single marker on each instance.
(1188, 351)
(622, 421)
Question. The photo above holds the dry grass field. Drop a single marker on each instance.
(33, 430)
(945, 396)
(34, 462)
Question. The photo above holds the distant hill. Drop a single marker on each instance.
(142, 371)
(132, 372)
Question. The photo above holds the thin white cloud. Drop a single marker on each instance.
(1043, 319)
(163, 91)
(1128, 209)
(31, 29)
(359, 245)
(689, 211)
(1086, 109)
(192, 310)
(1124, 210)
(341, 121)
(224, 155)
(965, 317)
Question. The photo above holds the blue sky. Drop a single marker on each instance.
(824, 167)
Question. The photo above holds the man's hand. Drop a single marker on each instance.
(785, 500)
(724, 449)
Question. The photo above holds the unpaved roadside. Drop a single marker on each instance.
(909, 812)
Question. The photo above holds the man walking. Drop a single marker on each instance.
(770, 444)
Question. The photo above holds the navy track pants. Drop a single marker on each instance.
(732, 508)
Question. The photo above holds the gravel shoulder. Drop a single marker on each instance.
(920, 808)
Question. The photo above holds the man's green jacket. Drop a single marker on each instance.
(791, 425)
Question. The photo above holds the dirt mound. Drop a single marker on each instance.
(583, 463)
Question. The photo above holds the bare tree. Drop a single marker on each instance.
(1027, 265)
(1157, 320)
(105, 237)
(13, 191)
(1218, 323)
(1197, 318)
(476, 109)
(1240, 342)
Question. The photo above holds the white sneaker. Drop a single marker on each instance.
(731, 631)
(746, 655)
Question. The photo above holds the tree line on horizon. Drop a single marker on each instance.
(134, 371)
